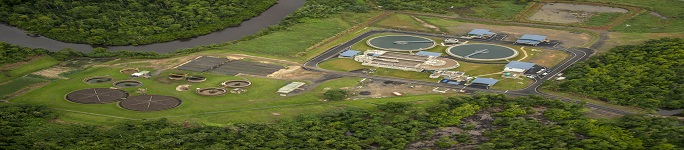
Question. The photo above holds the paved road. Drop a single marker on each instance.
(533, 89)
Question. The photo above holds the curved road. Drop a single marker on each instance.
(533, 89)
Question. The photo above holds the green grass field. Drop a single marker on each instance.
(30, 67)
(18, 84)
(261, 99)
(292, 44)
(403, 21)
(341, 64)
(601, 19)
(648, 23)
(497, 10)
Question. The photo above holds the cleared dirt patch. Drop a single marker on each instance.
(53, 72)
(547, 58)
(571, 13)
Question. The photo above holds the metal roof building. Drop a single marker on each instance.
(481, 33)
(349, 53)
(520, 65)
(485, 81)
(424, 53)
(290, 87)
(531, 39)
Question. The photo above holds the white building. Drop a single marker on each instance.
(518, 67)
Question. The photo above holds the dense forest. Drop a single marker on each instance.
(647, 75)
(517, 123)
(113, 22)
(12, 53)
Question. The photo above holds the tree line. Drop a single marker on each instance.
(125, 22)
(12, 53)
(647, 75)
(391, 125)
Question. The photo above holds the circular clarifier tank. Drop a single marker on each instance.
(482, 52)
(401, 43)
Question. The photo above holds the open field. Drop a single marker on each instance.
(292, 44)
(18, 84)
(618, 38)
(577, 13)
(547, 58)
(402, 21)
(569, 39)
(496, 10)
(24, 68)
(661, 16)
(341, 64)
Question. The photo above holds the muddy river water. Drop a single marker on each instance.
(269, 17)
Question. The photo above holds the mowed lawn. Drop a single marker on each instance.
(33, 65)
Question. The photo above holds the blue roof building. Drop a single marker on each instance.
(480, 33)
(349, 53)
(485, 81)
(424, 53)
(516, 66)
(531, 39)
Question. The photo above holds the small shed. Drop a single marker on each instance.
(518, 67)
(290, 87)
(489, 82)
(424, 53)
(531, 39)
(349, 54)
(481, 33)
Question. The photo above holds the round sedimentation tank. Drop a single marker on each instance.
(236, 83)
(96, 96)
(482, 52)
(401, 43)
(150, 103)
(127, 83)
(177, 76)
(211, 91)
(97, 80)
(196, 79)
(129, 70)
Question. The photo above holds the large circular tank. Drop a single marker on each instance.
(401, 43)
(482, 52)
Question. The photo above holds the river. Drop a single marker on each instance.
(269, 17)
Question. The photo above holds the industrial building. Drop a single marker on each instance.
(484, 82)
(349, 54)
(518, 67)
(481, 34)
(532, 39)
(405, 61)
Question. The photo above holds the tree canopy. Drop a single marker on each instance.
(560, 125)
(12, 53)
(127, 22)
(647, 75)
